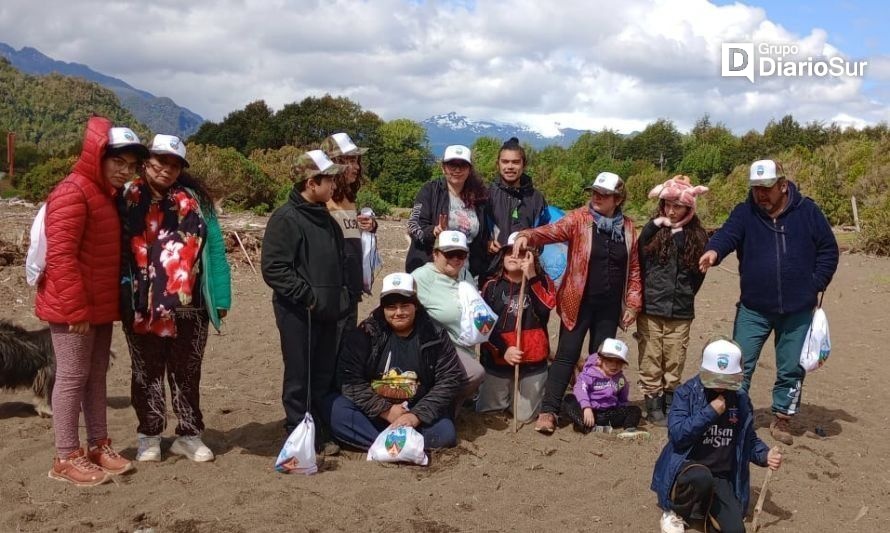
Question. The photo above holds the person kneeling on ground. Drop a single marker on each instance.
(599, 399)
(702, 472)
(398, 368)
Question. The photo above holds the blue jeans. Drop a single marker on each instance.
(351, 426)
(751, 330)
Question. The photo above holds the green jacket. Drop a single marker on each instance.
(216, 278)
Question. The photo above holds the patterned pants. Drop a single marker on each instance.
(81, 365)
(180, 359)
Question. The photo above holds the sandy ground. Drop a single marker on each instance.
(494, 480)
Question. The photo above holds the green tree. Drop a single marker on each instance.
(403, 161)
(660, 144)
(485, 155)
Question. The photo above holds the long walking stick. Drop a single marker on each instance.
(760, 499)
(518, 345)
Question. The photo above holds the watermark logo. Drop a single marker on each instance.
(762, 60)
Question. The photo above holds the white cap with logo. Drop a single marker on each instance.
(765, 173)
(169, 145)
(605, 183)
(613, 348)
(452, 240)
(398, 283)
(721, 365)
(457, 151)
(121, 137)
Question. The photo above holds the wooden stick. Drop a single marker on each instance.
(240, 244)
(518, 345)
(762, 498)
(855, 213)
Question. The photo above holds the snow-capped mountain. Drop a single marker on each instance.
(452, 128)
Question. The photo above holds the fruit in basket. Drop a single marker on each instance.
(395, 385)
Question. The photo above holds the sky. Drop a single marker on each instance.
(583, 64)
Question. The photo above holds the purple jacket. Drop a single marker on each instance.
(593, 389)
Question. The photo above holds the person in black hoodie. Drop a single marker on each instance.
(455, 202)
(398, 368)
(308, 297)
(513, 202)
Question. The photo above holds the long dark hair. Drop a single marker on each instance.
(662, 245)
(205, 199)
(474, 191)
(345, 190)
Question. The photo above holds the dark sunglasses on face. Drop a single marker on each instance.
(455, 254)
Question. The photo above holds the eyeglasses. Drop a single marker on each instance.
(455, 254)
(119, 163)
(457, 164)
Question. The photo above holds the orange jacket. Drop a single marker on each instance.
(83, 241)
(576, 229)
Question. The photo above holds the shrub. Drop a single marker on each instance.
(37, 183)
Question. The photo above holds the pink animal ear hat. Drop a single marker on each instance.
(679, 189)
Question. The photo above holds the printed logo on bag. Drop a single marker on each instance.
(759, 170)
(722, 362)
(483, 321)
(395, 441)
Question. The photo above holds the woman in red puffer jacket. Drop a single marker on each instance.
(78, 295)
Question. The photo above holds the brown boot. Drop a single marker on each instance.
(780, 429)
(104, 456)
(77, 469)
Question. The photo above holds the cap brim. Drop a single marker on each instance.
(608, 355)
(139, 148)
(601, 190)
(357, 151)
(467, 161)
(713, 380)
(397, 292)
(332, 170)
(450, 248)
(763, 183)
(185, 162)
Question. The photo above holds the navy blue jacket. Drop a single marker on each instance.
(690, 416)
(783, 263)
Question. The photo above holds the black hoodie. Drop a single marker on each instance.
(515, 208)
(303, 258)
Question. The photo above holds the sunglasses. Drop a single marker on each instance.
(455, 254)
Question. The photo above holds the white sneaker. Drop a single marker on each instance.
(149, 448)
(193, 448)
(671, 523)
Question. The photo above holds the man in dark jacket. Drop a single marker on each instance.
(513, 202)
(308, 297)
(702, 472)
(397, 369)
(787, 255)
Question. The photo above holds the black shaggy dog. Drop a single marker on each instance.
(27, 360)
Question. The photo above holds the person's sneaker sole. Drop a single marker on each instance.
(177, 449)
(57, 477)
(149, 457)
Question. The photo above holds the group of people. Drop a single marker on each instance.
(130, 236)
(410, 363)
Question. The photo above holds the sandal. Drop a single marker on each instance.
(546, 423)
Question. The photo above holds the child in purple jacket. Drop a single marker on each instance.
(600, 394)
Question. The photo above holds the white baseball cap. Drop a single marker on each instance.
(605, 183)
(511, 240)
(457, 151)
(398, 283)
(452, 240)
(613, 348)
(170, 145)
(765, 173)
(341, 144)
(721, 365)
(120, 137)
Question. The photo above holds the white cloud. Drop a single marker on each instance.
(577, 63)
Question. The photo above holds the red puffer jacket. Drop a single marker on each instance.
(83, 241)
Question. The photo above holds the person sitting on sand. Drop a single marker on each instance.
(702, 472)
(599, 398)
(398, 368)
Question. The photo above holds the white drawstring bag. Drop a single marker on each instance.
(35, 262)
(398, 445)
(477, 320)
(817, 344)
(297, 456)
